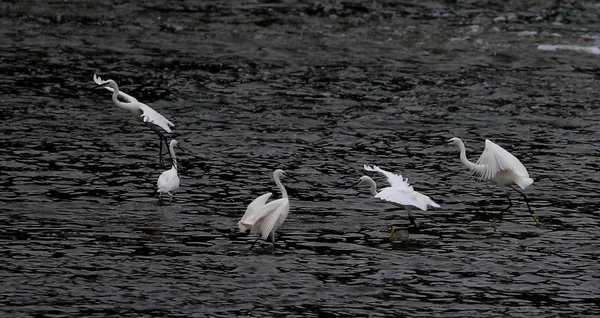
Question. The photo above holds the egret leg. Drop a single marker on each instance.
(171, 198)
(162, 138)
(498, 219)
(411, 218)
(252, 246)
(535, 217)
(273, 240)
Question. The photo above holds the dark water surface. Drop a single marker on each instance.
(317, 89)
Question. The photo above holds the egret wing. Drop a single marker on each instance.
(427, 200)
(127, 97)
(495, 159)
(252, 210)
(403, 197)
(168, 179)
(149, 115)
(270, 216)
(395, 180)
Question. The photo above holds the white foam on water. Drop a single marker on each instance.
(575, 48)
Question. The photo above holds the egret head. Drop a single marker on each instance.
(278, 173)
(174, 144)
(110, 83)
(363, 179)
(454, 140)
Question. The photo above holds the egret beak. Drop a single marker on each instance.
(353, 184)
(100, 86)
(182, 150)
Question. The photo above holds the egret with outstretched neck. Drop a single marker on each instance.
(399, 193)
(141, 111)
(499, 167)
(264, 218)
(168, 182)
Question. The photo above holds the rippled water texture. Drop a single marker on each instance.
(317, 89)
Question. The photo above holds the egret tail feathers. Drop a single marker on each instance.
(524, 182)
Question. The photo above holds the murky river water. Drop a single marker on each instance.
(317, 89)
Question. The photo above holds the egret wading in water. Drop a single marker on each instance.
(264, 218)
(140, 111)
(399, 193)
(501, 168)
(168, 182)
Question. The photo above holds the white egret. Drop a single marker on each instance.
(168, 182)
(501, 168)
(141, 111)
(400, 193)
(264, 218)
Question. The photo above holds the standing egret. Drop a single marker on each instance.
(168, 181)
(400, 193)
(141, 111)
(264, 218)
(501, 168)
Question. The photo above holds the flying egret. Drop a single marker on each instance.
(264, 218)
(400, 193)
(168, 182)
(501, 168)
(141, 111)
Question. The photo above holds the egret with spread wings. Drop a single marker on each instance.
(264, 218)
(499, 167)
(400, 193)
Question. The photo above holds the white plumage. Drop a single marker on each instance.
(496, 164)
(500, 167)
(141, 111)
(264, 218)
(400, 192)
(168, 181)
(252, 212)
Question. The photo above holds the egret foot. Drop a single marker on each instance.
(497, 220)
(536, 219)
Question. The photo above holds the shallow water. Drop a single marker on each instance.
(318, 90)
